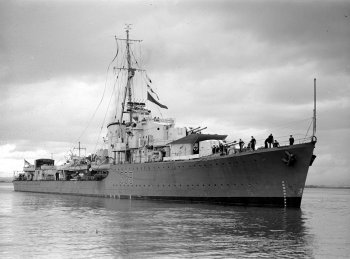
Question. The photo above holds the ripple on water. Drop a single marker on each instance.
(37, 225)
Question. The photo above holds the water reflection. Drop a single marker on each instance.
(59, 224)
(146, 228)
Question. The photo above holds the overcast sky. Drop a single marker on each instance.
(237, 67)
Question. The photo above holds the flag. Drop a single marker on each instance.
(26, 163)
(149, 88)
(148, 79)
(151, 99)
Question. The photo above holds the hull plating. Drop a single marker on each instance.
(250, 178)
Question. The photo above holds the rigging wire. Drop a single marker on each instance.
(121, 65)
(161, 115)
(282, 126)
(290, 123)
(307, 132)
(104, 91)
(104, 119)
(138, 65)
(141, 65)
(143, 73)
(121, 89)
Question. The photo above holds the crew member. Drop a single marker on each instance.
(240, 143)
(276, 144)
(221, 146)
(252, 143)
(269, 140)
(195, 148)
(291, 140)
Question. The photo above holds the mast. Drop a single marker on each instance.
(131, 73)
(314, 117)
(80, 148)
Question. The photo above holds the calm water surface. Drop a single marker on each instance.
(62, 226)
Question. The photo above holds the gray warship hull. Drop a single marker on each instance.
(259, 178)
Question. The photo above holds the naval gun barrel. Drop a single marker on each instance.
(191, 130)
(231, 143)
(198, 130)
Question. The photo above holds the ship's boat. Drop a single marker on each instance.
(147, 157)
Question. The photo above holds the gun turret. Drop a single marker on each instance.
(191, 130)
(198, 130)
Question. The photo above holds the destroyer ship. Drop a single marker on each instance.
(147, 157)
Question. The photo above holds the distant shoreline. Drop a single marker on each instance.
(327, 187)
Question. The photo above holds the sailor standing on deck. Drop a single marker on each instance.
(269, 140)
(221, 147)
(240, 143)
(213, 149)
(291, 140)
(252, 143)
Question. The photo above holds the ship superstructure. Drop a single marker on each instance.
(149, 157)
